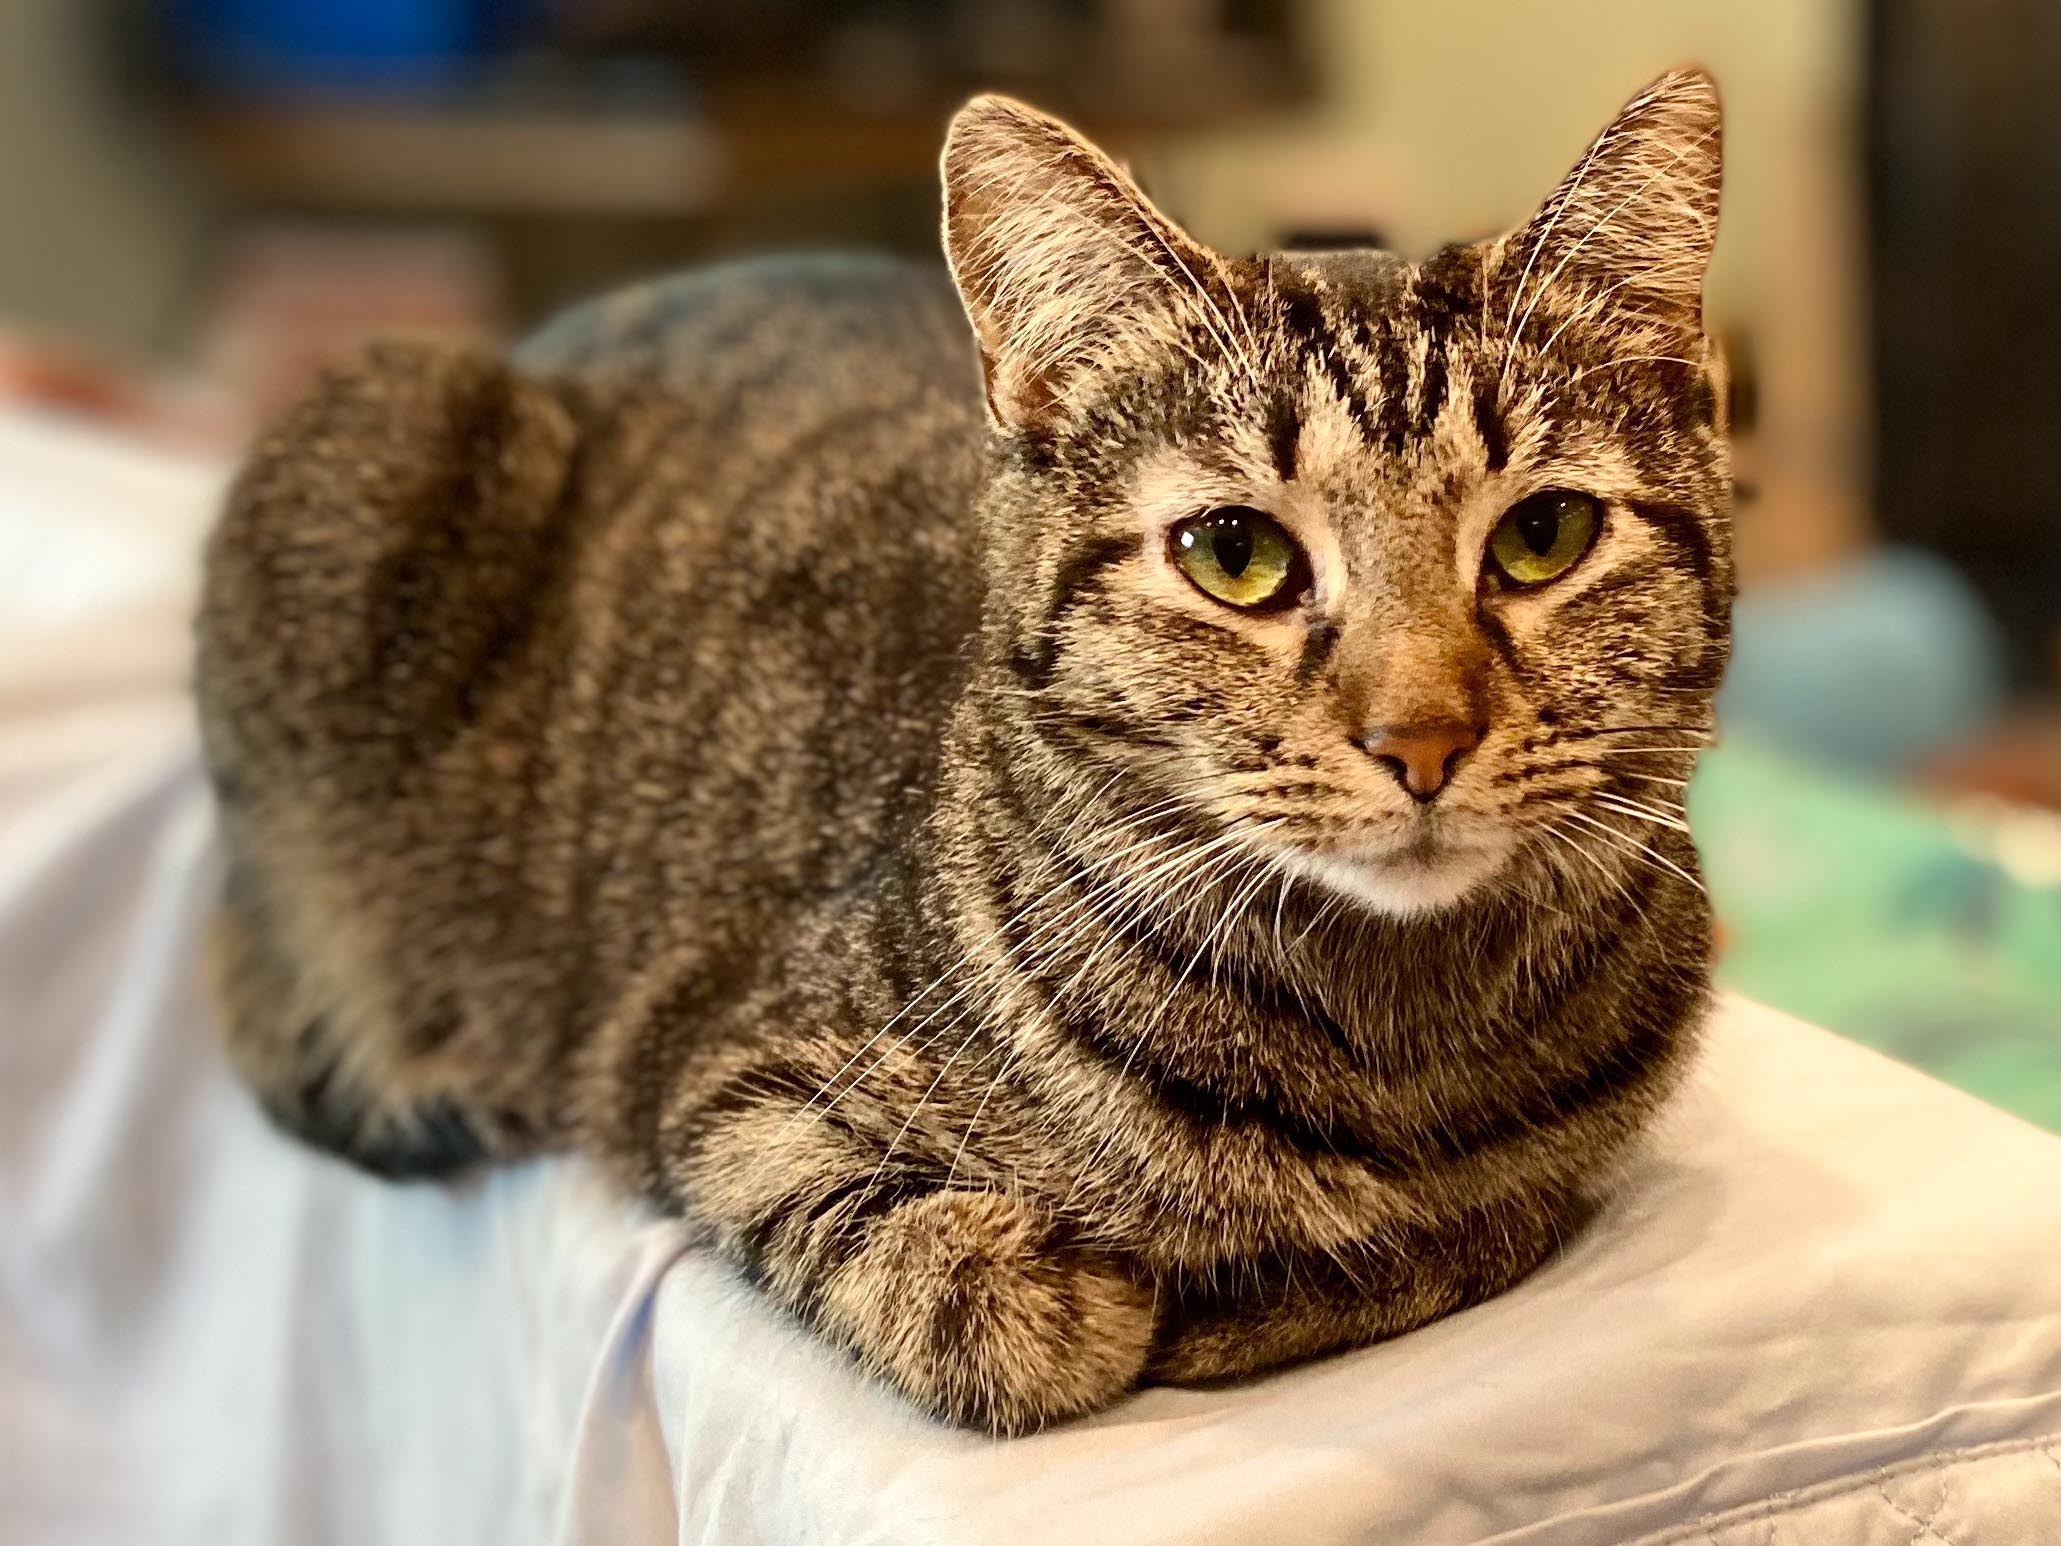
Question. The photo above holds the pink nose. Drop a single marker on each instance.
(1422, 756)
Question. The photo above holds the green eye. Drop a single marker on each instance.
(1541, 538)
(1239, 556)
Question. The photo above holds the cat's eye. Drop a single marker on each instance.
(1544, 536)
(1239, 556)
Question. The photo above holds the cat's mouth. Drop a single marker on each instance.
(1428, 869)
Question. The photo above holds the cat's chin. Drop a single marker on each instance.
(1421, 878)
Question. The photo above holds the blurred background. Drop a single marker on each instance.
(204, 199)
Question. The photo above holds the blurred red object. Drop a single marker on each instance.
(51, 376)
(173, 412)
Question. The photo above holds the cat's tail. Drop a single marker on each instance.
(381, 582)
(380, 559)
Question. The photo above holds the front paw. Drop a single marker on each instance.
(964, 1303)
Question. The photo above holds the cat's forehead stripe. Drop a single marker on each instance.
(1383, 335)
(1315, 337)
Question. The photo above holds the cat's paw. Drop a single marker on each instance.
(964, 1302)
(1210, 1348)
(1206, 1338)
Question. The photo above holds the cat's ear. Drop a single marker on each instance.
(1062, 264)
(1632, 226)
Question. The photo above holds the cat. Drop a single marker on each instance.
(1144, 846)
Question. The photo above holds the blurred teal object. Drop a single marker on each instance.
(1875, 664)
(1848, 903)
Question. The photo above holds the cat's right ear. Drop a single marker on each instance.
(1628, 233)
(1062, 264)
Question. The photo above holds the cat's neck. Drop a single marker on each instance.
(1134, 914)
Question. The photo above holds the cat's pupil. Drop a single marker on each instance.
(1231, 544)
(1539, 526)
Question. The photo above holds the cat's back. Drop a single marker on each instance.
(784, 558)
(814, 424)
(767, 344)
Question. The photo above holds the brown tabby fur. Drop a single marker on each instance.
(707, 743)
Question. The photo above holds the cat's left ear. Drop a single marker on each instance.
(1629, 231)
(1064, 266)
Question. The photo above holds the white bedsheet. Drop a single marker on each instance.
(1826, 1309)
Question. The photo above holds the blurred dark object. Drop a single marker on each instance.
(1964, 159)
(1325, 238)
(1126, 57)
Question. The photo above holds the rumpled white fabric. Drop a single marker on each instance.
(1826, 1309)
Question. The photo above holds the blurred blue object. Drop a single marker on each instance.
(1876, 664)
(291, 45)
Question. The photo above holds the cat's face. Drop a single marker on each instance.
(1415, 576)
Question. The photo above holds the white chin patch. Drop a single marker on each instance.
(1408, 883)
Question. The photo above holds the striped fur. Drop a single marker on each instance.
(707, 742)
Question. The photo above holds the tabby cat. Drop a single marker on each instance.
(1166, 865)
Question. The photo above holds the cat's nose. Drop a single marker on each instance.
(1422, 756)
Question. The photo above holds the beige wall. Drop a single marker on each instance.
(95, 229)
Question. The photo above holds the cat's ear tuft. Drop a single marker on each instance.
(1631, 227)
(1062, 263)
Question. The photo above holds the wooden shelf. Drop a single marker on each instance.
(455, 161)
